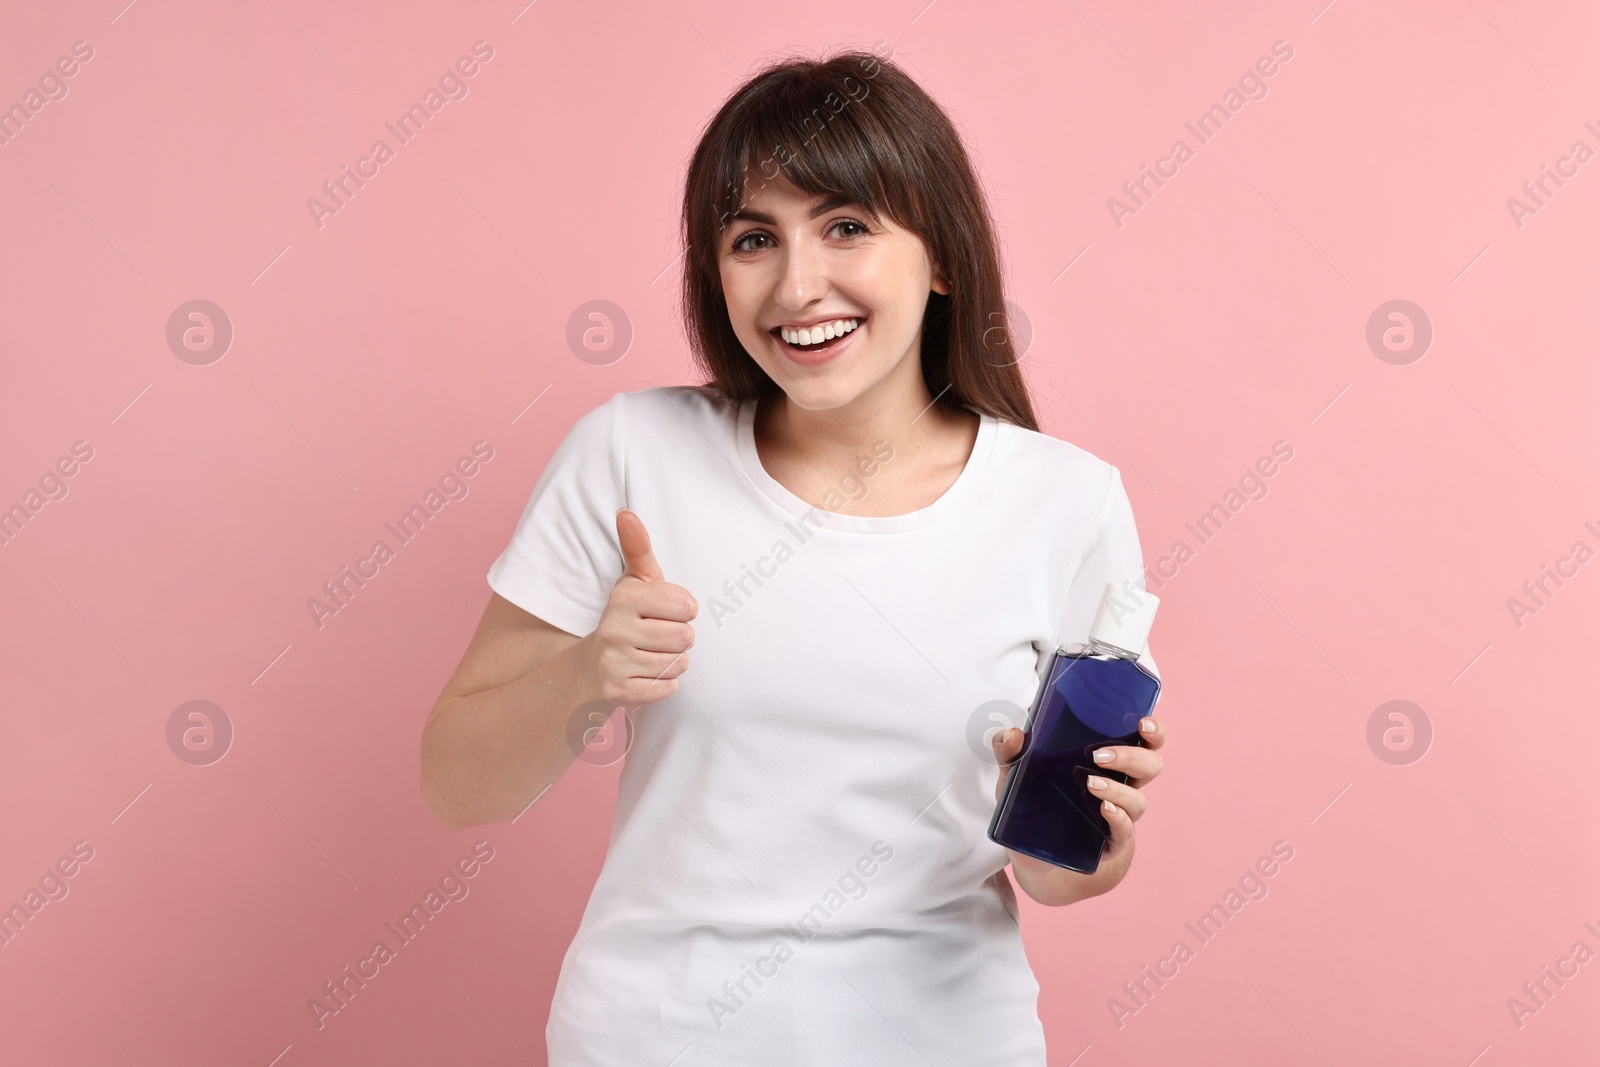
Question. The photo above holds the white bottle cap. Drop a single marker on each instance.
(1124, 618)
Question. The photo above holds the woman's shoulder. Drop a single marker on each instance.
(696, 402)
(645, 414)
(1052, 458)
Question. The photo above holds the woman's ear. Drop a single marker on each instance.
(941, 284)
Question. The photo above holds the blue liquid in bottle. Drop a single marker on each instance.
(1093, 696)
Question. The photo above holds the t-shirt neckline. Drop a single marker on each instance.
(964, 485)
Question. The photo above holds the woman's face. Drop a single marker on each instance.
(790, 260)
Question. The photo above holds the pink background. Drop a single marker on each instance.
(1228, 313)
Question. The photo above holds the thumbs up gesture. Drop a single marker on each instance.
(641, 646)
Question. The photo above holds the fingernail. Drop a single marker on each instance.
(1104, 755)
(1111, 809)
(1096, 782)
(1148, 726)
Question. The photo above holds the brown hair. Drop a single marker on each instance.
(882, 142)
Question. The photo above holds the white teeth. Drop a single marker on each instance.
(824, 332)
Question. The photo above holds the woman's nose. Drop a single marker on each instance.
(804, 277)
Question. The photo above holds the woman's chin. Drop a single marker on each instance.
(820, 392)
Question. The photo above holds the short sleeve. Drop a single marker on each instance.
(1110, 553)
(563, 557)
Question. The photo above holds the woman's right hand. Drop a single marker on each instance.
(641, 644)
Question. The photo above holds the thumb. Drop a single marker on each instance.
(637, 559)
(1007, 747)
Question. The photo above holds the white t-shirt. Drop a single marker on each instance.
(799, 870)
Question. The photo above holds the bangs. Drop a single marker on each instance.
(816, 136)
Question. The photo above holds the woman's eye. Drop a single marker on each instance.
(739, 244)
(742, 242)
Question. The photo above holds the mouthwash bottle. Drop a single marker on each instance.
(1093, 696)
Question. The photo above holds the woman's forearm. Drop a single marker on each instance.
(487, 755)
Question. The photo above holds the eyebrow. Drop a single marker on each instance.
(767, 220)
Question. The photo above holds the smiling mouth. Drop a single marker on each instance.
(824, 343)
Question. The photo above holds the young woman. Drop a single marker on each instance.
(858, 529)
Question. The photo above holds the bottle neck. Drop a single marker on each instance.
(1101, 648)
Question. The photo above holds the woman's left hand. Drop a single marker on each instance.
(1121, 804)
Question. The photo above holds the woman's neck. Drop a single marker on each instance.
(817, 436)
(806, 451)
